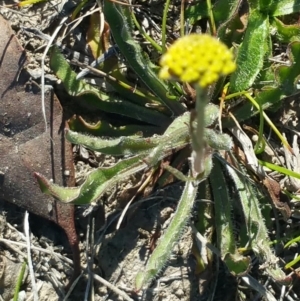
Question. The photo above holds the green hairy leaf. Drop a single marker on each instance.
(236, 263)
(163, 250)
(93, 98)
(118, 17)
(257, 231)
(251, 53)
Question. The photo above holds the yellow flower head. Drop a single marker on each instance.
(197, 58)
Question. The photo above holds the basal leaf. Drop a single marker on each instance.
(164, 248)
(284, 7)
(251, 53)
(261, 5)
(176, 136)
(286, 33)
(196, 12)
(91, 97)
(120, 146)
(257, 231)
(224, 10)
(236, 263)
(104, 129)
(102, 179)
(119, 19)
(96, 183)
(288, 76)
(286, 84)
(228, 21)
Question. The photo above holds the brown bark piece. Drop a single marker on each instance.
(25, 146)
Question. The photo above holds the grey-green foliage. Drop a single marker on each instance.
(165, 246)
(166, 243)
(144, 153)
(134, 145)
(257, 231)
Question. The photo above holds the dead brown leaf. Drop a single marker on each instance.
(25, 146)
(277, 197)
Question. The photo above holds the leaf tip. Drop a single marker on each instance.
(42, 181)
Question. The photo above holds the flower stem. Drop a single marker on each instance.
(198, 142)
(164, 26)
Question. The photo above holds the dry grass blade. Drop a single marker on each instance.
(29, 258)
